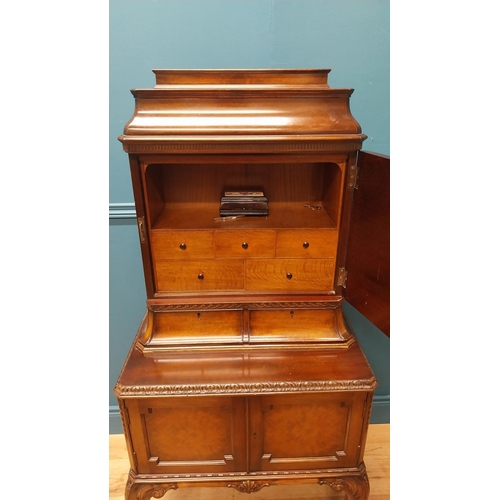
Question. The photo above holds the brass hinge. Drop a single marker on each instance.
(142, 231)
(342, 280)
(353, 177)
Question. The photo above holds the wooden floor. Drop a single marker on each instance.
(376, 461)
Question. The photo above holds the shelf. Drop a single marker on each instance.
(192, 216)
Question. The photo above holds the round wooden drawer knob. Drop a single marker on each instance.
(289, 276)
(305, 244)
(200, 276)
(182, 246)
(244, 245)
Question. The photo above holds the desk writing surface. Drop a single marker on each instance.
(249, 370)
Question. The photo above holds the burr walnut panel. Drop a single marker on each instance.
(215, 434)
(198, 435)
(311, 431)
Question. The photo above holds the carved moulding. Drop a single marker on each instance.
(351, 481)
(160, 145)
(245, 388)
(248, 486)
(324, 304)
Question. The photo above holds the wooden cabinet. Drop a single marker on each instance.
(246, 434)
(244, 372)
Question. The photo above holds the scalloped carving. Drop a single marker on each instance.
(248, 486)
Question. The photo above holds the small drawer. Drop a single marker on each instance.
(307, 243)
(290, 274)
(241, 243)
(182, 244)
(199, 327)
(285, 325)
(199, 275)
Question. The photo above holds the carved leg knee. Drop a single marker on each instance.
(146, 491)
(355, 487)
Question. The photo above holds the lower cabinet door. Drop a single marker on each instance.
(224, 434)
(306, 431)
(189, 435)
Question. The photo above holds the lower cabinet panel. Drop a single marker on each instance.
(247, 434)
(189, 435)
(311, 431)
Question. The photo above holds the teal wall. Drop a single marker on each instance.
(349, 36)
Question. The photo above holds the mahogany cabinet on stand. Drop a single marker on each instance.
(244, 372)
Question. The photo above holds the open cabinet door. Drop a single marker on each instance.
(368, 250)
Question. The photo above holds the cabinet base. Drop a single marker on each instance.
(351, 481)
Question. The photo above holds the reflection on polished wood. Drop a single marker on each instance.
(376, 458)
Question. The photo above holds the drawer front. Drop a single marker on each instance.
(245, 243)
(290, 274)
(197, 327)
(307, 243)
(199, 275)
(285, 325)
(182, 244)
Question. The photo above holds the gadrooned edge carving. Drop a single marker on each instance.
(248, 486)
(241, 305)
(246, 388)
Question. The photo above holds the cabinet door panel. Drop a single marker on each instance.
(184, 435)
(306, 431)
